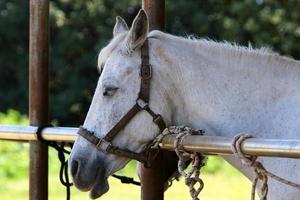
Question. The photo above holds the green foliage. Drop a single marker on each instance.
(14, 156)
(13, 160)
(213, 165)
(216, 164)
(270, 23)
(13, 117)
(78, 30)
(13, 54)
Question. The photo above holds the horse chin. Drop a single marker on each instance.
(99, 188)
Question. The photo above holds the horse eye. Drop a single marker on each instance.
(109, 91)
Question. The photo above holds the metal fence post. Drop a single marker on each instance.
(152, 178)
(38, 96)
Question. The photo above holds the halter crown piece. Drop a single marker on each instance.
(142, 104)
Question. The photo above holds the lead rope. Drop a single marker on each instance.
(260, 172)
(63, 171)
(61, 150)
(126, 180)
(192, 176)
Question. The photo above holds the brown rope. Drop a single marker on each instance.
(260, 172)
(192, 176)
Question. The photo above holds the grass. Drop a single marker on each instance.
(217, 187)
(226, 184)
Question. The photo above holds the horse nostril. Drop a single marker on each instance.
(74, 167)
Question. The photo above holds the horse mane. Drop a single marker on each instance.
(233, 46)
(224, 47)
(215, 47)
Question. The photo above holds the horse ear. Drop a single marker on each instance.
(120, 26)
(139, 30)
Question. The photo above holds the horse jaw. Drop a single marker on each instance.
(99, 188)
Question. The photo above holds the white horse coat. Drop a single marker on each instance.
(222, 88)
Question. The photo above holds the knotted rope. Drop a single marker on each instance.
(260, 172)
(192, 176)
(61, 151)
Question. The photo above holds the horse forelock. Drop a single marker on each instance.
(107, 50)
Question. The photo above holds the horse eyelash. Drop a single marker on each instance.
(110, 91)
(101, 69)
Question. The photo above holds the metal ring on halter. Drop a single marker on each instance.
(102, 142)
(141, 103)
(146, 72)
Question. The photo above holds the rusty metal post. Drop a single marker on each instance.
(38, 96)
(156, 13)
(152, 178)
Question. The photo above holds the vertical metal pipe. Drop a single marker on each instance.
(152, 178)
(38, 96)
(156, 13)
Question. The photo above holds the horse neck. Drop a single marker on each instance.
(220, 89)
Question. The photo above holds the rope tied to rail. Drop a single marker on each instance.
(259, 170)
(192, 176)
(63, 172)
(61, 151)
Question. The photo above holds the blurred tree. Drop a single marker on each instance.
(13, 54)
(79, 28)
(78, 31)
(271, 23)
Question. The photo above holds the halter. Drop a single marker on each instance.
(142, 104)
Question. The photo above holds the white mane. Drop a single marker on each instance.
(215, 47)
(223, 47)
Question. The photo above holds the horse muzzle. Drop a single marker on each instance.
(88, 177)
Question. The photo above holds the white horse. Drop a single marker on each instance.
(222, 88)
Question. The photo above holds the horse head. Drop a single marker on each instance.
(117, 92)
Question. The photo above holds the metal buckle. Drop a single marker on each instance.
(141, 103)
(146, 71)
(102, 142)
(157, 118)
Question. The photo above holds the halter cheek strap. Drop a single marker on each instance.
(142, 104)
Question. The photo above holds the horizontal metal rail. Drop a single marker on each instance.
(203, 144)
(27, 133)
(222, 145)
